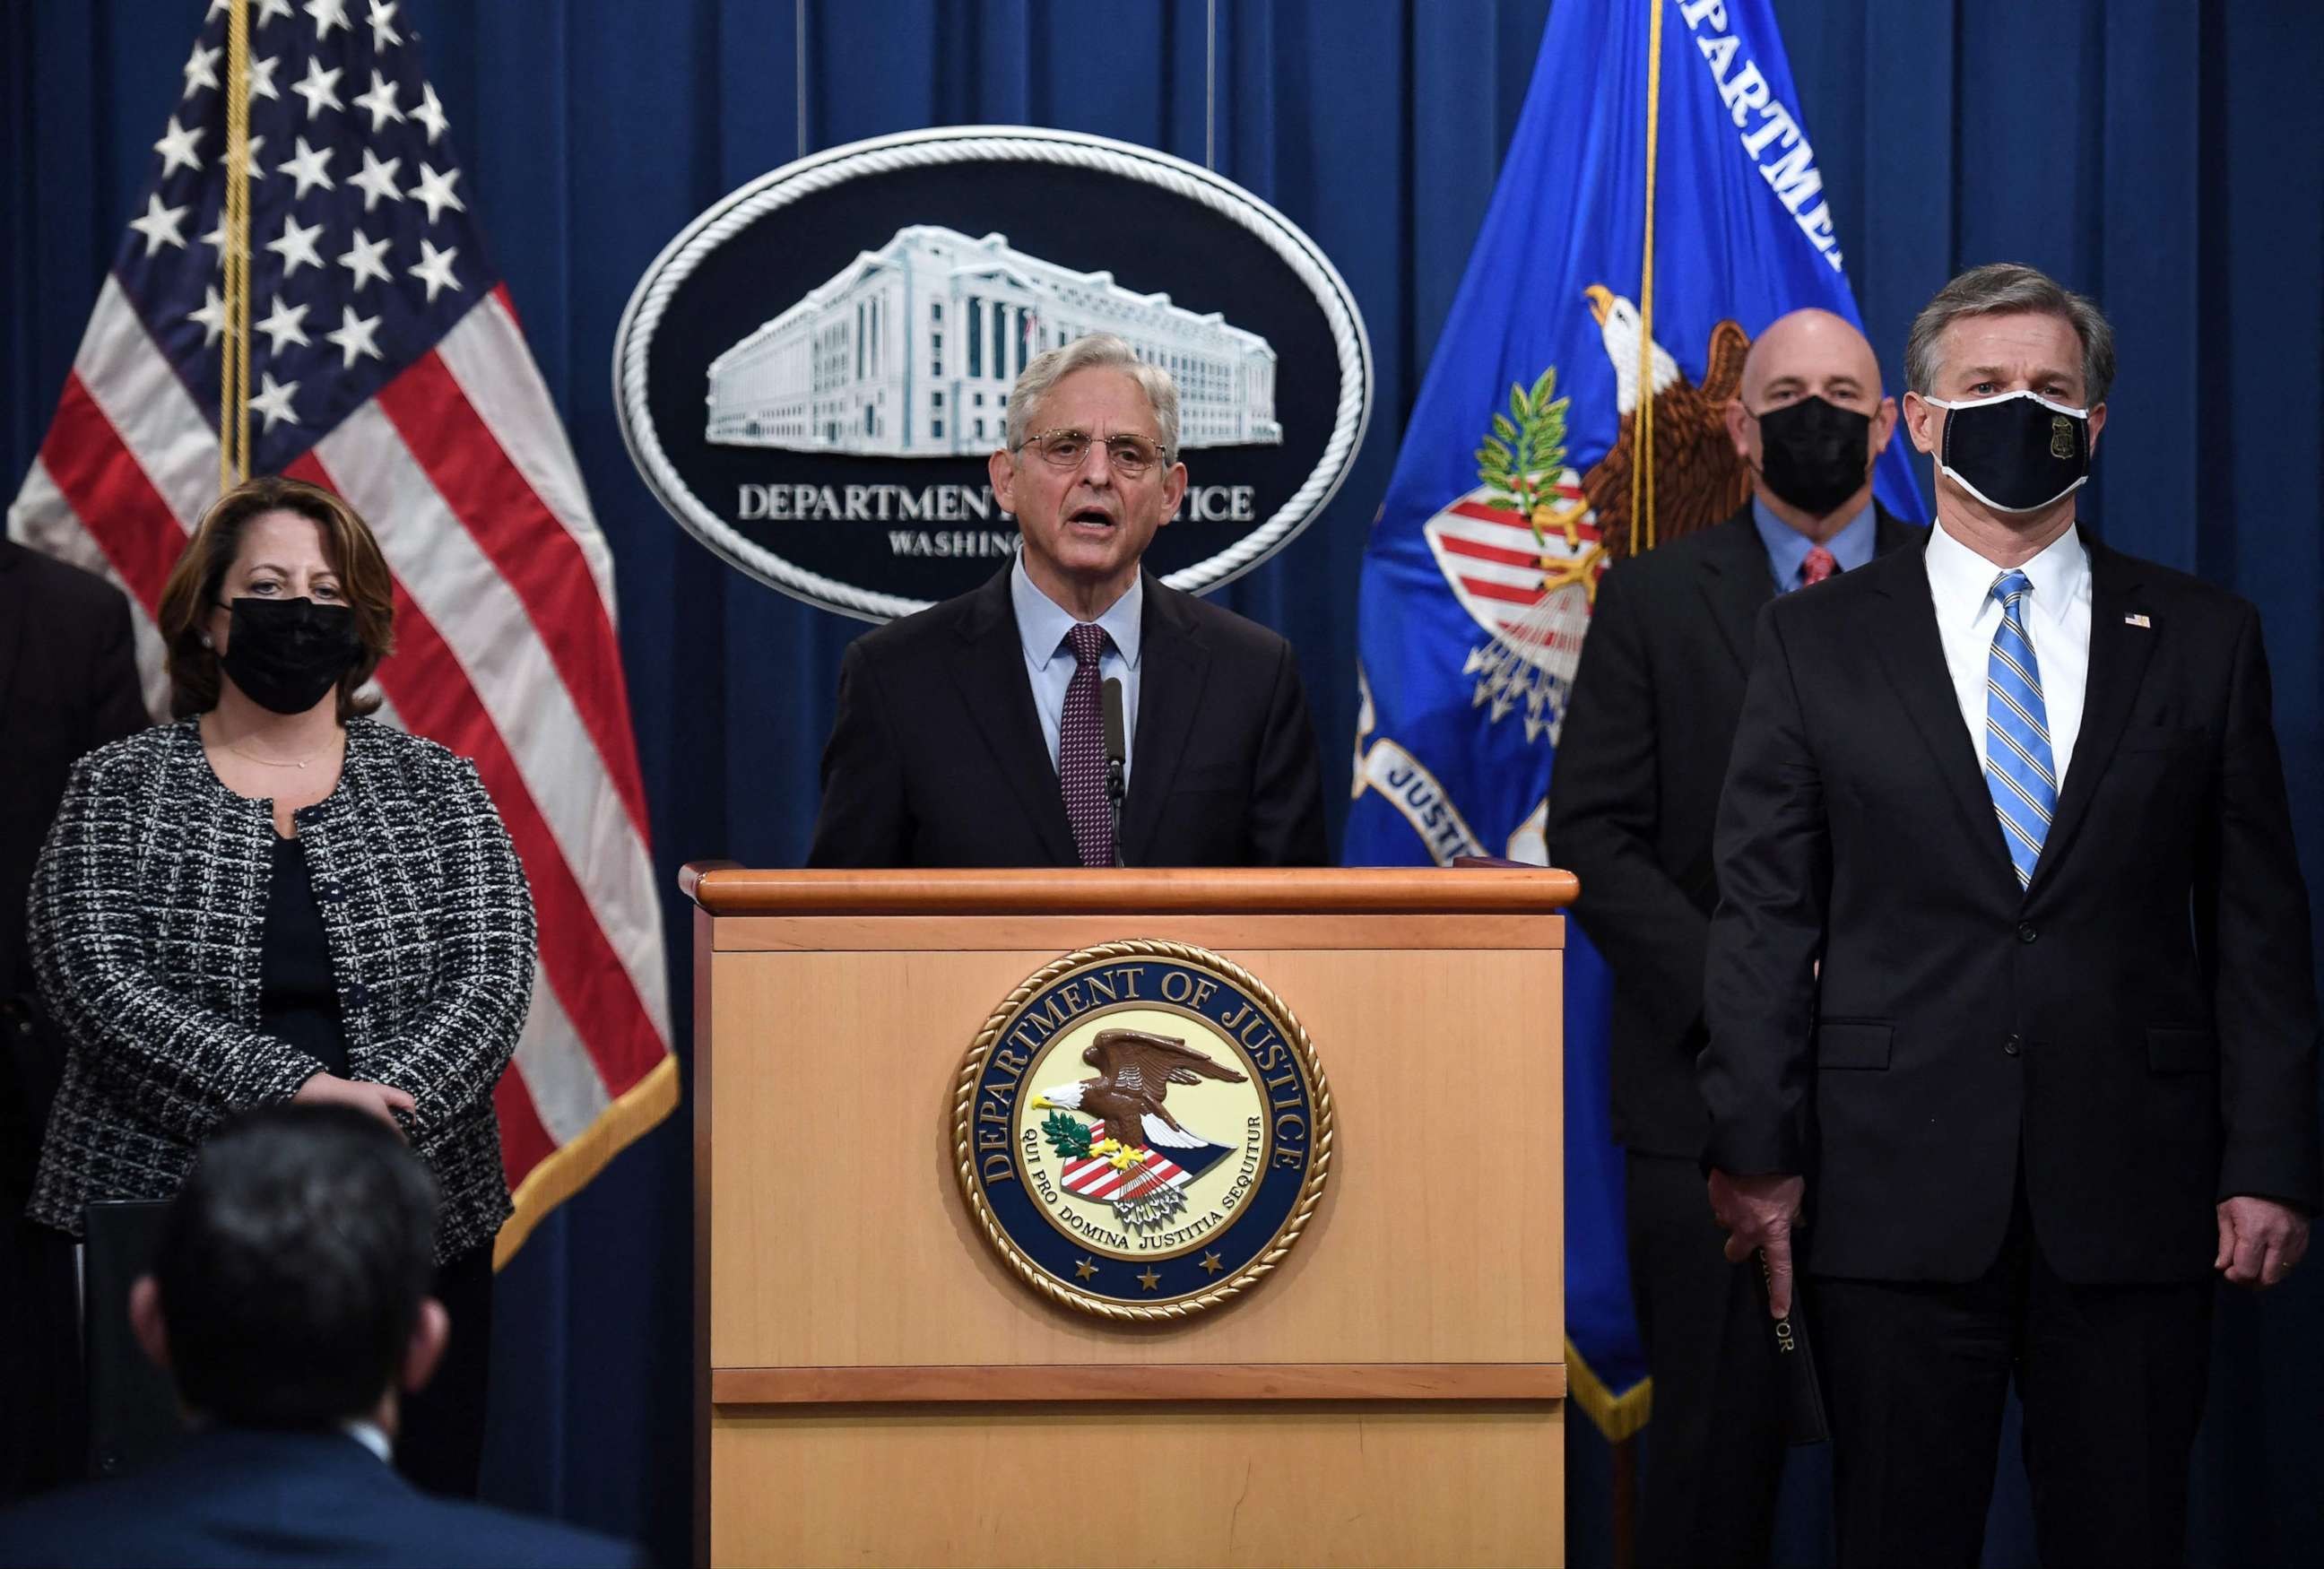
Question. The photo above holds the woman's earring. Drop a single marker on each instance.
(206, 640)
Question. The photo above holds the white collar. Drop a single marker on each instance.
(372, 1436)
(1960, 581)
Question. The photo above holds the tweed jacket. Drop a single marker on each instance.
(147, 914)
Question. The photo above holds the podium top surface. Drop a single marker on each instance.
(724, 887)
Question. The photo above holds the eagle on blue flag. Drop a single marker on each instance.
(1573, 416)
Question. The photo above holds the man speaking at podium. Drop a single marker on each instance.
(1075, 697)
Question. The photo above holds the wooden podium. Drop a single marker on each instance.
(875, 1387)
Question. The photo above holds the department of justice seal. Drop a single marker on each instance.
(1143, 1129)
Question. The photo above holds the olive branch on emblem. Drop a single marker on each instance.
(1068, 1137)
(1524, 457)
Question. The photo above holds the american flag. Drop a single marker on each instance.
(386, 364)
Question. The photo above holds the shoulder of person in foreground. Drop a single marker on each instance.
(190, 1509)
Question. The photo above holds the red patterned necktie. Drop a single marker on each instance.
(1818, 567)
(1081, 749)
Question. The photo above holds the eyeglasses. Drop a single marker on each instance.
(1130, 456)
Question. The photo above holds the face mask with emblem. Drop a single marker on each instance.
(2016, 453)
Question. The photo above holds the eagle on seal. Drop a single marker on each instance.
(1135, 1070)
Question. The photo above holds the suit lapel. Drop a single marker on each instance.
(1913, 657)
(1173, 666)
(2118, 656)
(998, 693)
(1734, 576)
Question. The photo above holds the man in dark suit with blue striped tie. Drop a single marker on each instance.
(2009, 989)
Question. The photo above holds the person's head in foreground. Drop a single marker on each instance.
(290, 1287)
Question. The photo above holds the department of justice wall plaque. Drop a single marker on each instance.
(1143, 1129)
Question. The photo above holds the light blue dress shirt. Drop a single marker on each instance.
(1787, 548)
(1042, 627)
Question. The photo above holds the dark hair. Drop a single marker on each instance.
(2006, 287)
(195, 581)
(293, 1265)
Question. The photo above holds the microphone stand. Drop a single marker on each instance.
(1115, 789)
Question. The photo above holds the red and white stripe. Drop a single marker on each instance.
(1095, 1177)
(1496, 566)
(505, 646)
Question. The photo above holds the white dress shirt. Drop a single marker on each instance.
(2057, 616)
(1042, 625)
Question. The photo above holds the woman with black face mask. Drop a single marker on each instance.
(277, 898)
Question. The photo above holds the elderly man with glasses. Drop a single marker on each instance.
(974, 734)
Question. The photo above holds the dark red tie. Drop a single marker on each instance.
(1081, 749)
(1818, 567)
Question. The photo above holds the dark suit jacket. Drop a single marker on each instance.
(936, 757)
(1635, 790)
(244, 1498)
(67, 685)
(2137, 1028)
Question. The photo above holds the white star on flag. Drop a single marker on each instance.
(268, 10)
(202, 70)
(377, 180)
(382, 33)
(436, 190)
(262, 77)
(354, 336)
(252, 169)
(177, 146)
(318, 86)
(363, 262)
(216, 240)
(160, 224)
(327, 14)
(284, 327)
(212, 314)
(430, 112)
(381, 101)
(296, 247)
(273, 402)
(310, 168)
(434, 269)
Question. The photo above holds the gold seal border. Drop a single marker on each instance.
(1319, 1164)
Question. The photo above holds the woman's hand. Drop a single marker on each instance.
(382, 1101)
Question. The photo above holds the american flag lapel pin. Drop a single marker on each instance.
(2136, 620)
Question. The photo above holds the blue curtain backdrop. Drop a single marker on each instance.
(2167, 157)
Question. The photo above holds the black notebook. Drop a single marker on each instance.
(1803, 1391)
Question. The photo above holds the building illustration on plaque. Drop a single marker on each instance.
(910, 350)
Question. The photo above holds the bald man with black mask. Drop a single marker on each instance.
(1632, 801)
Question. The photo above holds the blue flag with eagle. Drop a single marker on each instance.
(1570, 418)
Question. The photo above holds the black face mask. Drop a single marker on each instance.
(2016, 453)
(1815, 454)
(286, 654)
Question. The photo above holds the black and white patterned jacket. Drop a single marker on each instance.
(147, 914)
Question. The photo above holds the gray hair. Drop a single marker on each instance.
(1100, 351)
(2002, 287)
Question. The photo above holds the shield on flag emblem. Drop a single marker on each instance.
(1521, 587)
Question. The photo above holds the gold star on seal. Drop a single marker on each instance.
(1211, 1262)
(1084, 1269)
(1149, 1279)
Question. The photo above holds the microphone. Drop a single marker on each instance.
(1117, 759)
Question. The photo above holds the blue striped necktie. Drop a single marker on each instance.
(2019, 770)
